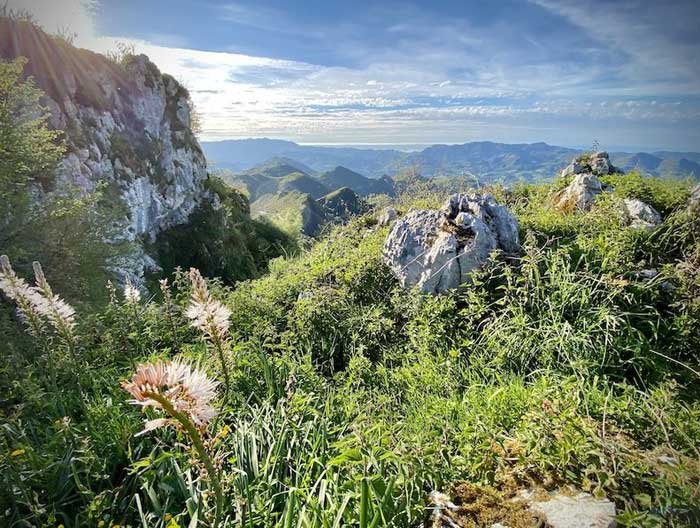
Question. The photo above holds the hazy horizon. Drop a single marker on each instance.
(413, 147)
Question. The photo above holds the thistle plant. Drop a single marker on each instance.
(183, 395)
(210, 317)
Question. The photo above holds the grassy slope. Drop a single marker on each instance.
(294, 212)
(353, 397)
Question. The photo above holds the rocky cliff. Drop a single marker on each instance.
(125, 124)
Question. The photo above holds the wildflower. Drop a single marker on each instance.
(59, 313)
(184, 394)
(30, 303)
(207, 314)
(168, 517)
(132, 295)
(100, 524)
(17, 452)
(173, 386)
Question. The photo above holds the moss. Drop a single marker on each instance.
(479, 506)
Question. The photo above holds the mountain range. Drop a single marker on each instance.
(299, 200)
(485, 160)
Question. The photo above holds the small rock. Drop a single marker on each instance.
(647, 274)
(641, 215)
(668, 460)
(388, 216)
(578, 511)
(600, 164)
(580, 193)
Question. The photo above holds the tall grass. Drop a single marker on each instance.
(350, 399)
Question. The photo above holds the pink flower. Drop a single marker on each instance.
(206, 313)
(186, 389)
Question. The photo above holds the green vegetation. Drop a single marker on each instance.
(322, 394)
(222, 242)
(350, 398)
(293, 212)
(342, 204)
(65, 229)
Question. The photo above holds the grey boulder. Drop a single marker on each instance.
(580, 194)
(576, 511)
(387, 217)
(640, 215)
(694, 201)
(436, 250)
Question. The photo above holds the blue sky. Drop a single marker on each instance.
(566, 72)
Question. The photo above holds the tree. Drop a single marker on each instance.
(29, 151)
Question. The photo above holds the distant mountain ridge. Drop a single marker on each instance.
(297, 201)
(487, 161)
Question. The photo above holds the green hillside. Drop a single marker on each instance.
(363, 186)
(294, 212)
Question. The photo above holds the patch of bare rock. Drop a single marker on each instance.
(581, 193)
(471, 505)
(435, 250)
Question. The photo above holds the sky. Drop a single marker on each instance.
(624, 73)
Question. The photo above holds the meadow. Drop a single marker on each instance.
(342, 399)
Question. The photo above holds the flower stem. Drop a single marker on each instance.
(218, 344)
(198, 444)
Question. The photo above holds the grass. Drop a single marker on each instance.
(352, 399)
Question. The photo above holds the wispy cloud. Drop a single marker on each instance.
(534, 70)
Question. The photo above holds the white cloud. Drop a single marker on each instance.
(429, 86)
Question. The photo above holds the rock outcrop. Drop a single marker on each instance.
(597, 163)
(436, 250)
(585, 186)
(126, 125)
(640, 215)
(580, 194)
(694, 201)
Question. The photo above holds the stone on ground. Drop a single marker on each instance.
(576, 511)
(641, 215)
(580, 194)
(436, 250)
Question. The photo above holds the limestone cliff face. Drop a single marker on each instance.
(127, 125)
